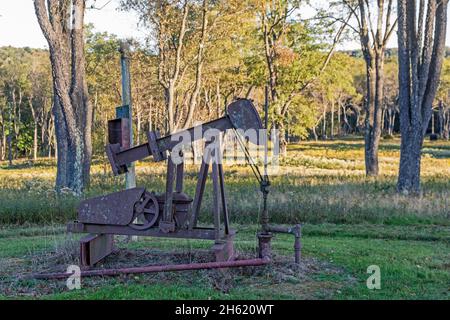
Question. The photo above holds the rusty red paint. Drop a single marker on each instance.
(172, 214)
(162, 268)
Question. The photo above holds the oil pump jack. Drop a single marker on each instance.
(172, 214)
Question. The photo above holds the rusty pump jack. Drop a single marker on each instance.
(172, 214)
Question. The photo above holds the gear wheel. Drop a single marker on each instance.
(146, 212)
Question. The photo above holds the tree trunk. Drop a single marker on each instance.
(373, 39)
(51, 139)
(219, 100)
(314, 131)
(339, 119)
(389, 120)
(1, 147)
(446, 133)
(2, 138)
(394, 117)
(169, 69)
(150, 119)
(35, 128)
(9, 138)
(10, 163)
(332, 121)
(375, 78)
(347, 124)
(420, 66)
(441, 116)
(170, 108)
(72, 109)
(411, 150)
(282, 138)
(61, 146)
(433, 129)
(35, 141)
(80, 98)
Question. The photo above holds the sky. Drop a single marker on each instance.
(19, 26)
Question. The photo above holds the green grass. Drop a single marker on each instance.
(410, 269)
(350, 222)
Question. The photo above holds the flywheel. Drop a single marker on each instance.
(146, 212)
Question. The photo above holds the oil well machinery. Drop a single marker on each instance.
(173, 213)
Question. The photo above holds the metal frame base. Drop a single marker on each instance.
(99, 244)
(94, 248)
(195, 233)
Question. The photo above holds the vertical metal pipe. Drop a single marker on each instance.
(265, 182)
(266, 127)
(296, 231)
(130, 179)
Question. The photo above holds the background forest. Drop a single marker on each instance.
(218, 62)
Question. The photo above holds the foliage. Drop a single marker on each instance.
(25, 95)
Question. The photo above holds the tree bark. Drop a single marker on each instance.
(61, 146)
(375, 78)
(79, 95)
(3, 137)
(420, 65)
(35, 128)
(339, 129)
(62, 25)
(332, 121)
(444, 121)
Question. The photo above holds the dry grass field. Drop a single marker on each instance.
(350, 222)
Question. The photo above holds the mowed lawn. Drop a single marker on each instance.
(349, 223)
